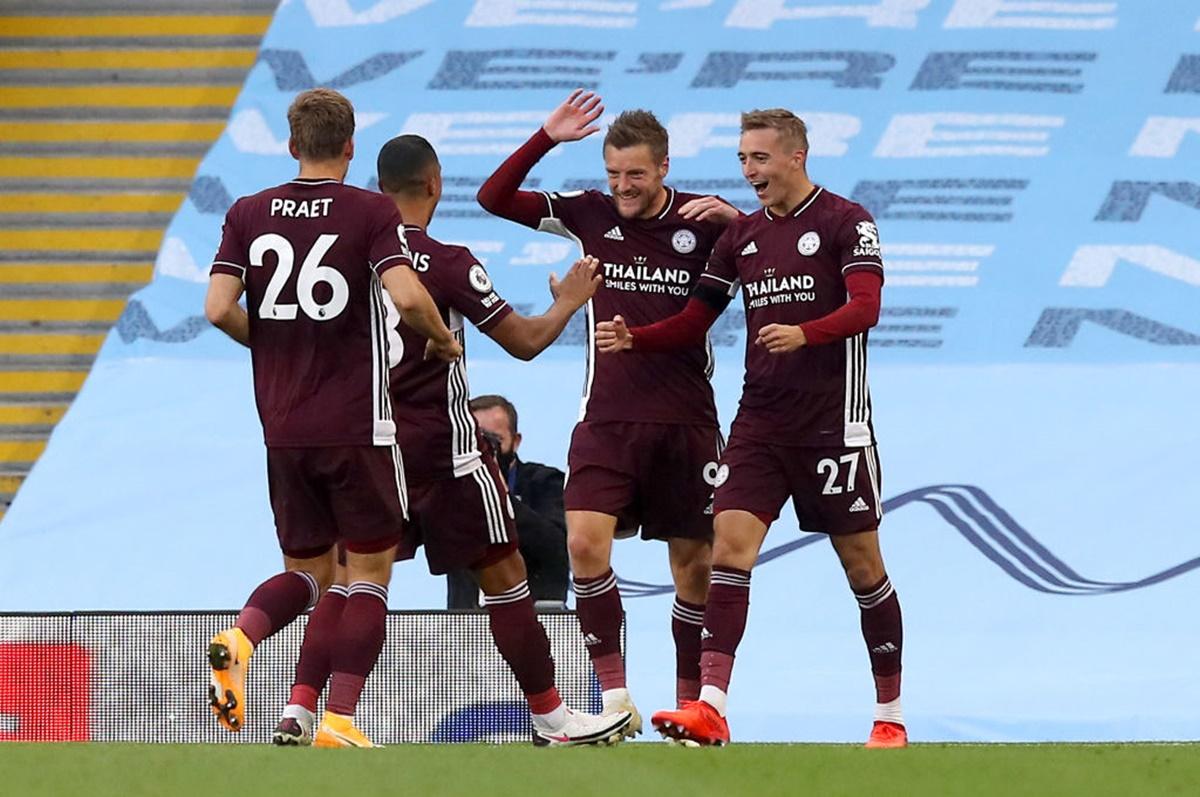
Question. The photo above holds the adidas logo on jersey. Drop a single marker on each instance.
(886, 647)
(751, 248)
(705, 633)
(614, 234)
(859, 505)
(591, 639)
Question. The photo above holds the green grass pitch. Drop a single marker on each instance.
(98, 770)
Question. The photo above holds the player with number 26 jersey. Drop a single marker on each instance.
(305, 249)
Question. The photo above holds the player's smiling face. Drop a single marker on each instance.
(635, 180)
(774, 170)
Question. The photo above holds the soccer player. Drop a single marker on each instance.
(647, 441)
(460, 509)
(313, 257)
(810, 270)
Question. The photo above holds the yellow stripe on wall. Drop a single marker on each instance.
(89, 203)
(48, 344)
(116, 96)
(41, 382)
(171, 25)
(46, 166)
(60, 310)
(18, 414)
(182, 58)
(107, 240)
(110, 131)
(27, 273)
(21, 450)
(9, 484)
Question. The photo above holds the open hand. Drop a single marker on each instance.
(575, 118)
(709, 208)
(580, 282)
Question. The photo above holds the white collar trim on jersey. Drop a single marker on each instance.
(669, 205)
(803, 207)
(314, 181)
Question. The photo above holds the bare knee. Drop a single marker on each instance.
(322, 568)
(738, 536)
(373, 567)
(861, 559)
(589, 542)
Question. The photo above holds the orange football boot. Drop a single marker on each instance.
(229, 658)
(696, 721)
(886, 735)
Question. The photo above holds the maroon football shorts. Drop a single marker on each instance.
(656, 475)
(464, 523)
(834, 490)
(351, 494)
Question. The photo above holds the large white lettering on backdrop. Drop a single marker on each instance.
(338, 13)
(1093, 266)
(962, 135)
(879, 14)
(1162, 136)
(1023, 14)
(829, 134)
(476, 132)
(573, 13)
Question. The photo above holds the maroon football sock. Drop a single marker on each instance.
(316, 652)
(598, 604)
(277, 601)
(523, 643)
(357, 644)
(687, 620)
(724, 623)
(883, 632)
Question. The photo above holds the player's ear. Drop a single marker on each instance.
(348, 151)
(292, 148)
(664, 167)
(516, 441)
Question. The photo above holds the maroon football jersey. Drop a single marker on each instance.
(434, 425)
(792, 269)
(311, 253)
(649, 268)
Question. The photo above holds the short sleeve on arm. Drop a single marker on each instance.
(388, 247)
(564, 212)
(858, 244)
(232, 254)
(468, 289)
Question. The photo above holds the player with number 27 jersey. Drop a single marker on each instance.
(307, 250)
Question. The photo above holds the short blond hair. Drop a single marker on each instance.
(321, 122)
(791, 128)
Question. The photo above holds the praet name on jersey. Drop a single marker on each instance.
(301, 208)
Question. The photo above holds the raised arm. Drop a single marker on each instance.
(525, 337)
(500, 194)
